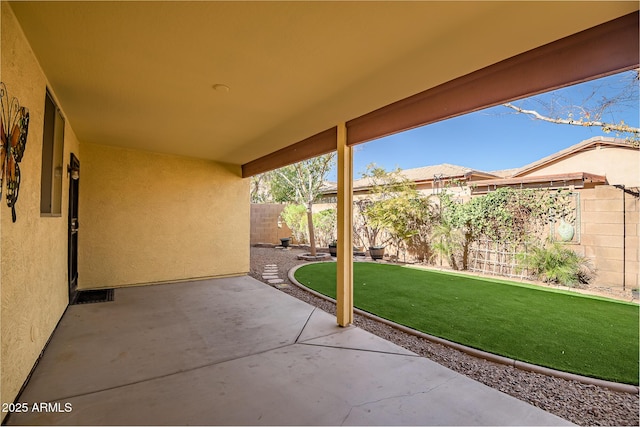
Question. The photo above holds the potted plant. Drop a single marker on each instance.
(284, 241)
(358, 251)
(376, 252)
(371, 226)
(333, 248)
(376, 215)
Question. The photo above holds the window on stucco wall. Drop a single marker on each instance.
(52, 159)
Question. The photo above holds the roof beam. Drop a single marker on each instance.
(316, 145)
(603, 50)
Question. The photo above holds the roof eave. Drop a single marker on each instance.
(581, 178)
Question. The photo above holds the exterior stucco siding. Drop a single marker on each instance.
(148, 218)
(33, 273)
(599, 161)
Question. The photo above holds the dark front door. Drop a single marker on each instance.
(74, 185)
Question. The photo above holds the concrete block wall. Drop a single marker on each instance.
(609, 235)
(264, 223)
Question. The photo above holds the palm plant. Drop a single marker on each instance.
(447, 242)
(556, 263)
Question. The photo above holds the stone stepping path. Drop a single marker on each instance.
(271, 275)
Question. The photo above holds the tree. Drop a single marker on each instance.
(393, 211)
(260, 191)
(295, 216)
(424, 216)
(324, 223)
(301, 183)
(375, 213)
(596, 108)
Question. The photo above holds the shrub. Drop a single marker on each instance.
(448, 242)
(324, 222)
(295, 216)
(556, 263)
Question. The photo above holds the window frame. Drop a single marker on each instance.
(52, 159)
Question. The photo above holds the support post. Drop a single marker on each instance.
(344, 294)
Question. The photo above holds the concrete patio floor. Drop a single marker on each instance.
(235, 351)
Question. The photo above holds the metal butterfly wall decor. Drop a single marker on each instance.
(13, 131)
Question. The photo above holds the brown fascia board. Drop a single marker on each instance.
(581, 146)
(603, 50)
(585, 177)
(321, 143)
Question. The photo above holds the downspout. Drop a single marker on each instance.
(624, 240)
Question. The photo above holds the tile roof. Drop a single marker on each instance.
(505, 173)
(421, 174)
(427, 173)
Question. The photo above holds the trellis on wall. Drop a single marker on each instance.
(496, 258)
(501, 257)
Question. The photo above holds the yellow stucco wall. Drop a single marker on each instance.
(33, 272)
(147, 217)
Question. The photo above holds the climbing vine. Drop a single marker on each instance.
(505, 215)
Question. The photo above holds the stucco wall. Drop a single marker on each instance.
(147, 217)
(33, 270)
(618, 164)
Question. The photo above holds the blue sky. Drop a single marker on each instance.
(491, 139)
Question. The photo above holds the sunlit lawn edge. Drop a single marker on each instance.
(576, 333)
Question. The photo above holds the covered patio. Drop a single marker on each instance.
(235, 351)
(146, 121)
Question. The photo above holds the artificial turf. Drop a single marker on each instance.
(585, 335)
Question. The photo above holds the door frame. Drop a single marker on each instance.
(73, 225)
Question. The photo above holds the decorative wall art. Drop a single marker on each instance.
(13, 130)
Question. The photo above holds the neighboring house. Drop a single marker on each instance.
(427, 179)
(595, 161)
(602, 174)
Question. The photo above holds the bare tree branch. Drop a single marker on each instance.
(606, 127)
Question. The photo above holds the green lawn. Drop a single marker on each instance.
(585, 335)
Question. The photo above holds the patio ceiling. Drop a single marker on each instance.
(141, 74)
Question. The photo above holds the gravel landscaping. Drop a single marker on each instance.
(579, 403)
